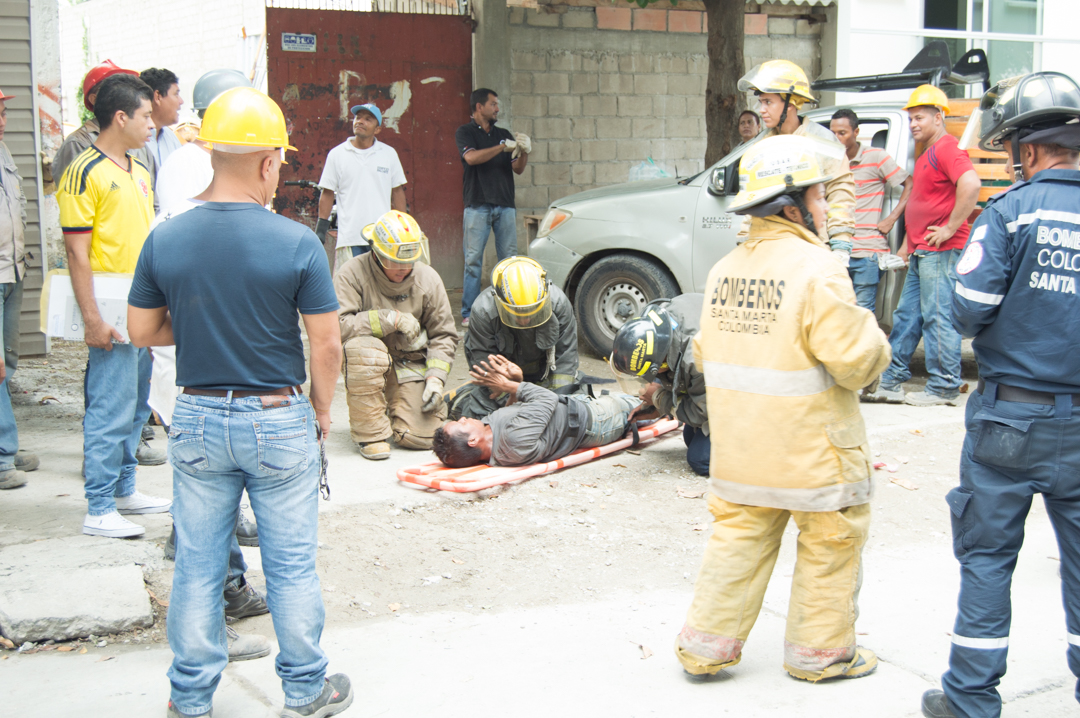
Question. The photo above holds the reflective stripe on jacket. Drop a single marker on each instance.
(784, 349)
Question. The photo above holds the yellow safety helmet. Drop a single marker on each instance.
(397, 240)
(928, 96)
(244, 120)
(779, 77)
(778, 165)
(521, 292)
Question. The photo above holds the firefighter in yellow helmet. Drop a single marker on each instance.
(399, 337)
(782, 89)
(526, 319)
(784, 349)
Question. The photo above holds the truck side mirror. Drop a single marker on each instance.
(716, 182)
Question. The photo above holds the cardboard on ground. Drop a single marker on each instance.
(60, 313)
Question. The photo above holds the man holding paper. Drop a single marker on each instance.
(106, 206)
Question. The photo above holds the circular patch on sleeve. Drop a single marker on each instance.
(972, 258)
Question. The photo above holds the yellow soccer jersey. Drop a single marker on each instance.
(114, 204)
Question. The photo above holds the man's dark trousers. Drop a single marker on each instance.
(1011, 452)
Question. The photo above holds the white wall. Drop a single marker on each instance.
(188, 38)
(1061, 18)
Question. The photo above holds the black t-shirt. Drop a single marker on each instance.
(493, 181)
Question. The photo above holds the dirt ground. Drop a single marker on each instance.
(631, 520)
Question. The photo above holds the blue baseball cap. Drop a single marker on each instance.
(369, 107)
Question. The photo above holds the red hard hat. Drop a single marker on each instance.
(99, 73)
(5, 97)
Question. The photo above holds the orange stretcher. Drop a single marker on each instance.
(434, 475)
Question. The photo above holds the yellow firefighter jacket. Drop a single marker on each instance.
(785, 349)
(362, 289)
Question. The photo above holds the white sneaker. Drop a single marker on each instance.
(112, 525)
(142, 504)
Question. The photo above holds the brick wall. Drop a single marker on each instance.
(600, 90)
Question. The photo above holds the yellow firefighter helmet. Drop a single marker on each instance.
(521, 292)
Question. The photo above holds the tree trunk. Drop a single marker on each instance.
(723, 101)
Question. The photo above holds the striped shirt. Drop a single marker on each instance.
(872, 169)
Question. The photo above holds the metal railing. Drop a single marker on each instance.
(423, 7)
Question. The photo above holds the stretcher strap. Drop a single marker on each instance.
(483, 476)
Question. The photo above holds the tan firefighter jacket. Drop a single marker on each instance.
(785, 349)
(363, 289)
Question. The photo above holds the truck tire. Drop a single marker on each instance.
(615, 289)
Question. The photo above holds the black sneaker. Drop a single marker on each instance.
(147, 432)
(336, 696)
(936, 705)
(247, 533)
(175, 713)
(244, 601)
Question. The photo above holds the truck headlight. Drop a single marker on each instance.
(553, 219)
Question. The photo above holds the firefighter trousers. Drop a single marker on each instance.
(735, 572)
(1011, 452)
(385, 397)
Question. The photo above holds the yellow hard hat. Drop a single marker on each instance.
(777, 165)
(397, 240)
(521, 291)
(780, 77)
(244, 120)
(928, 96)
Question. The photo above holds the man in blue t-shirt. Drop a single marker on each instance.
(225, 282)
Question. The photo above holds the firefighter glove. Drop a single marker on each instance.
(321, 228)
(843, 257)
(432, 395)
(888, 262)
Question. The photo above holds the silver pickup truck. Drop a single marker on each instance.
(614, 249)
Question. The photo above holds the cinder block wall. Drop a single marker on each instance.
(601, 90)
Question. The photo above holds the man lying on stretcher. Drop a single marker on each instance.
(536, 426)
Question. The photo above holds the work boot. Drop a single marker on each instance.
(247, 646)
(936, 705)
(170, 545)
(147, 432)
(375, 450)
(12, 479)
(147, 456)
(925, 398)
(111, 525)
(336, 696)
(174, 712)
(884, 395)
(25, 461)
(863, 664)
(244, 601)
(139, 503)
(247, 533)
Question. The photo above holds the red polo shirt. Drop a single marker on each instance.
(933, 195)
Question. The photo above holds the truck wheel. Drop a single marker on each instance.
(614, 290)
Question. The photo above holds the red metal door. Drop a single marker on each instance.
(416, 68)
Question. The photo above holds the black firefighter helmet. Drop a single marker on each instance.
(641, 346)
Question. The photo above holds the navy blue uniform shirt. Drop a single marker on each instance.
(1016, 285)
(235, 277)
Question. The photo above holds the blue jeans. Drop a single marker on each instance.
(865, 274)
(116, 389)
(10, 306)
(925, 310)
(1011, 452)
(608, 415)
(698, 449)
(218, 446)
(479, 222)
(358, 249)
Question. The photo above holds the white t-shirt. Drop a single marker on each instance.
(361, 181)
(186, 173)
